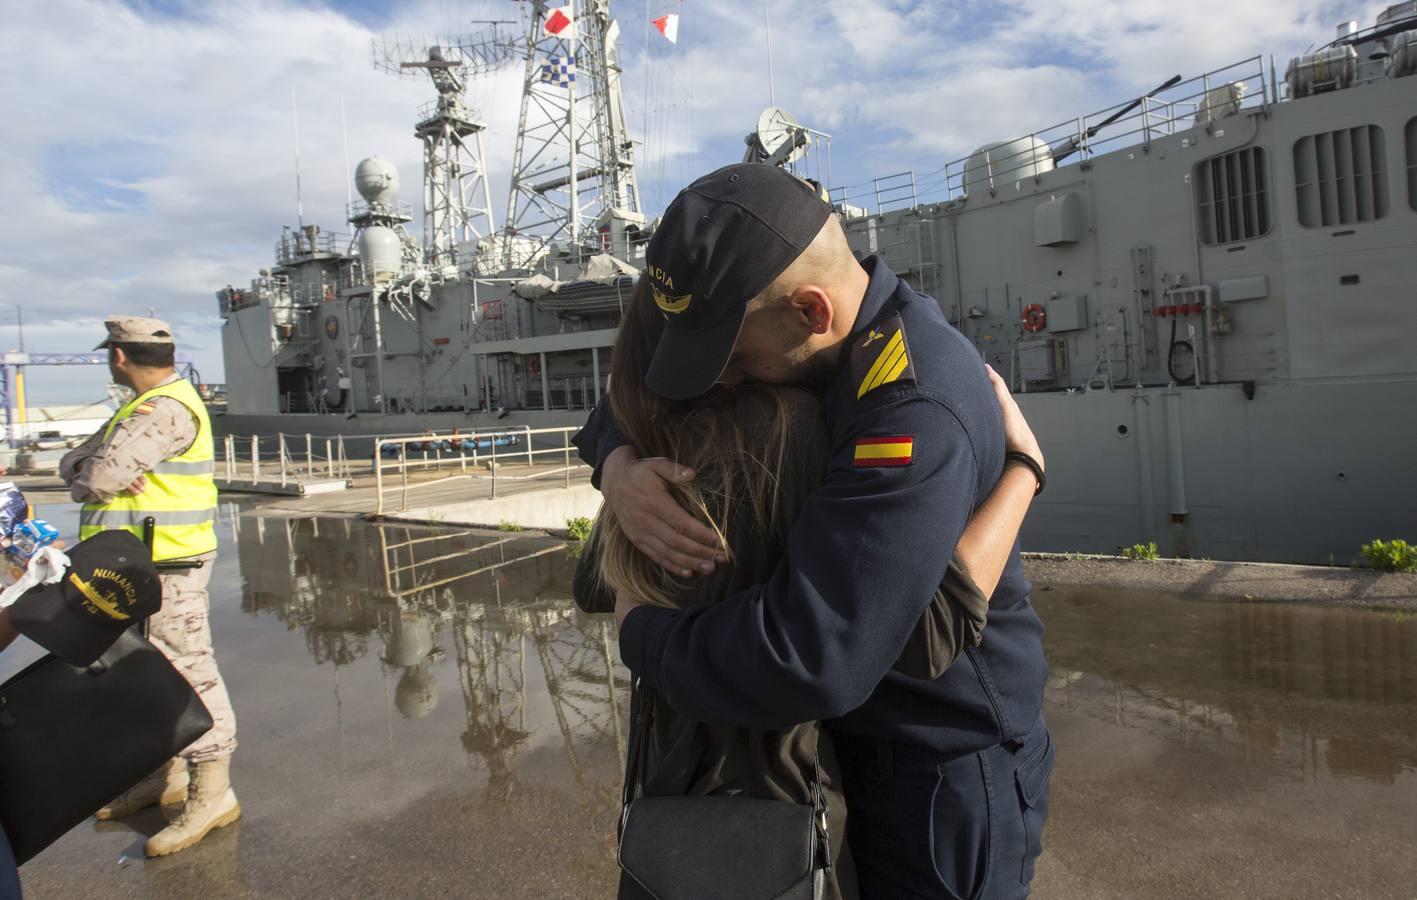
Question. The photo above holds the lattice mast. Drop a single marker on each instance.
(573, 161)
(457, 206)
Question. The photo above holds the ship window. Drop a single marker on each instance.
(1340, 177)
(1412, 163)
(1232, 196)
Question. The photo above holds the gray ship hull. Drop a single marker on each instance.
(1304, 472)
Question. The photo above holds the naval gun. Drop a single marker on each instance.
(1076, 142)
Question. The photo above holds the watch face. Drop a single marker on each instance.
(331, 327)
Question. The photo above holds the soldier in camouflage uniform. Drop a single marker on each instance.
(155, 458)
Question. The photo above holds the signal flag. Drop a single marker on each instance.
(561, 22)
(669, 27)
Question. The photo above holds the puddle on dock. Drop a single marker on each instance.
(423, 712)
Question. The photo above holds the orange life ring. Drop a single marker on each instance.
(1035, 319)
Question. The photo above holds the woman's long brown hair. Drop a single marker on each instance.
(735, 462)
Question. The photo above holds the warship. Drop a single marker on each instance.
(1204, 297)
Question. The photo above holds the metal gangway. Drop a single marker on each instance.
(297, 465)
(430, 468)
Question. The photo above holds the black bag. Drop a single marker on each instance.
(705, 848)
(72, 739)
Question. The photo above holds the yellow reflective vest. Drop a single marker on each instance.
(181, 491)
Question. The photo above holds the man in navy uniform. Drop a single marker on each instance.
(946, 780)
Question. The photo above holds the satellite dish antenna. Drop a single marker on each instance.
(778, 128)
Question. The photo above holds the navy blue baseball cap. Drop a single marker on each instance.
(111, 585)
(720, 243)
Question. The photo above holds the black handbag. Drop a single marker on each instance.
(72, 739)
(706, 848)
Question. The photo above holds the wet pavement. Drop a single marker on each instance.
(423, 713)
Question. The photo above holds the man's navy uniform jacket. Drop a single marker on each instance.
(917, 445)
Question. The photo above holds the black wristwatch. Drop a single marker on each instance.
(1024, 459)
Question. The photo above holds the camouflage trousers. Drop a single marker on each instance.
(182, 631)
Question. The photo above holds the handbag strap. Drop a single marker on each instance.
(637, 753)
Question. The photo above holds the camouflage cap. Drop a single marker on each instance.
(135, 330)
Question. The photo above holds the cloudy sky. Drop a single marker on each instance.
(146, 148)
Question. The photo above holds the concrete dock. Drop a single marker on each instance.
(423, 713)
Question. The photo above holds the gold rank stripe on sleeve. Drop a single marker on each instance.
(889, 358)
(884, 450)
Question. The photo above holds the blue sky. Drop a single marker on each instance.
(146, 156)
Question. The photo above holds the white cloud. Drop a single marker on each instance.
(147, 158)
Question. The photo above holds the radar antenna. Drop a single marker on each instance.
(780, 140)
(573, 167)
(457, 206)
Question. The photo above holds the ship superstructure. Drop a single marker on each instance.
(475, 323)
(1204, 297)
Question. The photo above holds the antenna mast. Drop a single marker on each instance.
(573, 170)
(295, 130)
(457, 207)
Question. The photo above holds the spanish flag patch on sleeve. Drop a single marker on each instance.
(884, 450)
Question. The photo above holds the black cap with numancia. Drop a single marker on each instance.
(111, 585)
(720, 243)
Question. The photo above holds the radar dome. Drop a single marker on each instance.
(377, 180)
(1007, 161)
(382, 252)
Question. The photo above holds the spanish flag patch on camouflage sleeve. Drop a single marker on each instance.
(143, 409)
(884, 450)
(881, 357)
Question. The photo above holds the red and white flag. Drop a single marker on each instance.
(561, 22)
(669, 27)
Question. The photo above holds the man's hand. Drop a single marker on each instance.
(623, 605)
(139, 485)
(638, 493)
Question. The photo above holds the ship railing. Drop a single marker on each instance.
(358, 209)
(285, 459)
(523, 251)
(564, 392)
(1204, 101)
(313, 294)
(351, 275)
(295, 246)
(526, 454)
(406, 400)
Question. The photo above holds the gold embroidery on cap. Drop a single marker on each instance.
(105, 603)
(669, 303)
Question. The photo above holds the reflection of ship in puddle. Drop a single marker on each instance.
(1321, 691)
(498, 602)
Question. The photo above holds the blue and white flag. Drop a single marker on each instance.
(560, 71)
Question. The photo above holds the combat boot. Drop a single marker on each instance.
(211, 803)
(167, 786)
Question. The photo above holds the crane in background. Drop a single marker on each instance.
(12, 371)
